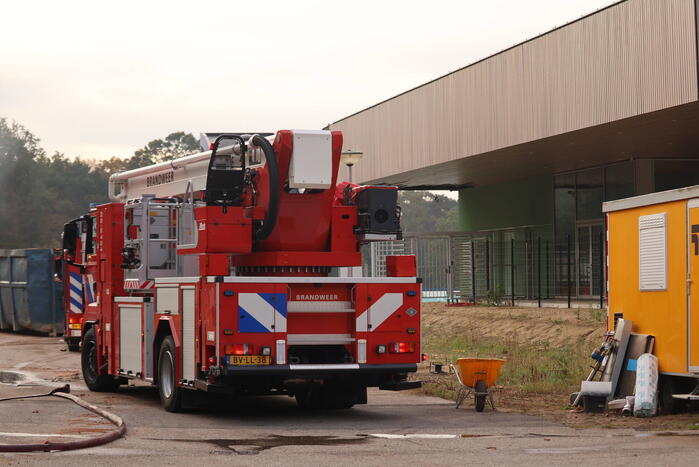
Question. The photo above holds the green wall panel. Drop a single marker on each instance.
(512, 204)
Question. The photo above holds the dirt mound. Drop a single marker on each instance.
(540, 326)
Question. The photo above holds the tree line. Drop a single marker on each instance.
(39, 192)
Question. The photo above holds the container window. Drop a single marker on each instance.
(652, 241)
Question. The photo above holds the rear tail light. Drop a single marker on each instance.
(424, 357)
(74, 322)
(401, 347)
(238, 349)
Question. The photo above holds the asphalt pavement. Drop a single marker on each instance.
(392, 429)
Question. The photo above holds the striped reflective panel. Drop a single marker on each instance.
(262, 312)
(379, 312)
(76, 292)
(90, 290)
(131, 284)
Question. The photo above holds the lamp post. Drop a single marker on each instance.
(349, 158)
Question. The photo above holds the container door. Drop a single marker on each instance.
(693, 265)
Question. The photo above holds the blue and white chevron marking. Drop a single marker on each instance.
(262, 312)
(76, 292)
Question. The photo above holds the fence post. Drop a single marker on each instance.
(450, 284)
(527, 269)
(512, 270)
(538, 270)
(473, 270)
(570, 285)
(548, 272)
(602, 282)
(487, 264)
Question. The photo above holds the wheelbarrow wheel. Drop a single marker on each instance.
(481, 394)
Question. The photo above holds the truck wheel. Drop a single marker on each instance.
(309, 398)
(331, 398)
(93, 380)
(481, 393)
(73, 345)
(170, 393)
(344, 397)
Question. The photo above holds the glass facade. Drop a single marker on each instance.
(564, 222)
(671, 174)
(589, 194)
(619, 181)
(579, 224)
(553, 251)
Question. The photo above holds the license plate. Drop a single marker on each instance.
(249, 359)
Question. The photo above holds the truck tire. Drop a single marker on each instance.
(310, 398)
(88, 359)
(170, 393)
(344, 397)
(330, 398)
(73, 344)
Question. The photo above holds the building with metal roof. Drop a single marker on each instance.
(536, 137)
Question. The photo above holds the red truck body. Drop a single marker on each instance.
(194, 291)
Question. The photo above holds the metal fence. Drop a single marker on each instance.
(497, 268)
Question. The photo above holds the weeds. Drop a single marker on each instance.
(493, 298)
(597, 315)
(518, 316)
(533, 368)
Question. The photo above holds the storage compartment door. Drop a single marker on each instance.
(148, 324)
(188, 344)
(130, 345)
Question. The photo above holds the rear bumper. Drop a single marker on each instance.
(318, 370)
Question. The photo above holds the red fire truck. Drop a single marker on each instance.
(235, 271)
(76, 235)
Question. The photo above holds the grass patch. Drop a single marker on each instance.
(597, 315)
(530, 367)
(517, 316)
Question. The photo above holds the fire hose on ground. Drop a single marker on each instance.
(64, 393)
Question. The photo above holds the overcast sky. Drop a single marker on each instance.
(100, 79)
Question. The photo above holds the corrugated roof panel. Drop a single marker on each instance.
(632, 58)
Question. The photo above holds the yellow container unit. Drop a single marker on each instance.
(653, 274)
